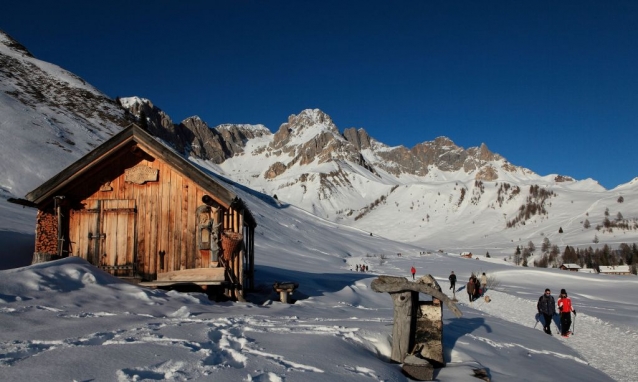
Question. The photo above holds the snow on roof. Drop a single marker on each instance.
(571, 266)
(614, 269)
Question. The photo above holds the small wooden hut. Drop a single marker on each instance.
(136, 208)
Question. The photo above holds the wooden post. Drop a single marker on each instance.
(418, 327)
(404, 323)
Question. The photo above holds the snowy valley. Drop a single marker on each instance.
(324, 202)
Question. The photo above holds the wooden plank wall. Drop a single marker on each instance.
(165, 218)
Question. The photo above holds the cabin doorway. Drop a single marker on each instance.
(104, 233)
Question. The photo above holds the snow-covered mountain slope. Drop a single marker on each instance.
(48, 118)
(489, 206)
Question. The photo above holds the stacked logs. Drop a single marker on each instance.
(46, 233)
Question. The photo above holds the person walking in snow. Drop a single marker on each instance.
(477, 288)
(452, 279)
(413, 271)
(547, 307)
(483, 283)
(470, 288)
(565, 310)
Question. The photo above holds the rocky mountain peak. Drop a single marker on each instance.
(311, 117)
(358, 137)
(444, 142)
(14, 45)
(305, 126)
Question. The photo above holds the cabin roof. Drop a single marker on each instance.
(614, 269)
(133, 134)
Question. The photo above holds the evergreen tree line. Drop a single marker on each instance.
(589, 257)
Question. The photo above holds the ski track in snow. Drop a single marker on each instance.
(592, 336)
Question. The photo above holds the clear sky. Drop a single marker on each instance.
(550, 85)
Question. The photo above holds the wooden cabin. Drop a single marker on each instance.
(570, 267)
(137, 209)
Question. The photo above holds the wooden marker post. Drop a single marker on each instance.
(417, 332)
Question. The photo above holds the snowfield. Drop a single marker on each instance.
(66, 320)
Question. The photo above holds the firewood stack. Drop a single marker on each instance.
(46, 236)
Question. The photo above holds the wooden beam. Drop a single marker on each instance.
(393, 284)
(192, 275)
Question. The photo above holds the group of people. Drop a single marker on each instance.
(476, 286)
(547, 307)
(361, 268)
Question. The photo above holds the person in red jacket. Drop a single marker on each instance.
(413, 271)
(565, 309)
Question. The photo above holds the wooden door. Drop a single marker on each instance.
(104, 234)
(117, 247)
(84, 232)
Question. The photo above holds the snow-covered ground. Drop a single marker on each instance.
(66, 320)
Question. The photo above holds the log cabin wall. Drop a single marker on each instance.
(165, 214)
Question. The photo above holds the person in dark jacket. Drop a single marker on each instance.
(547, 307)
(565, 309)
(452, 279)
(470, 288)
(477, 288)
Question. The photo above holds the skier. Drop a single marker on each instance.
(565, 308)
(547, 307)
(413, 271)
(452, 279)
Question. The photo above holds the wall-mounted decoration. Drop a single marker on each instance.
(106, 186)
(141, 174)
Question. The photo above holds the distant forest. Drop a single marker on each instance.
(552, 257)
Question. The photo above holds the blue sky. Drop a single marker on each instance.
(550, 85)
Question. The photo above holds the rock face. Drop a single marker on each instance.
(193, 137)
(312, 137)
(359, 138)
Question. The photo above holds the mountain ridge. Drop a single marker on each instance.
(346, 177)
